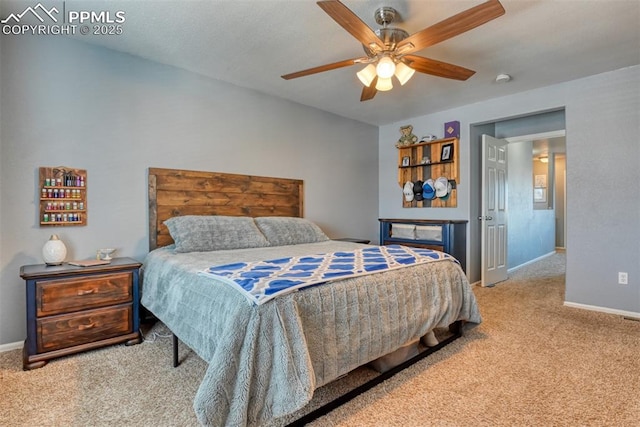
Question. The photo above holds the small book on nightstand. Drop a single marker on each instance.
(90, 262)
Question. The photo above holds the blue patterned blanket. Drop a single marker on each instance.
(262, 281)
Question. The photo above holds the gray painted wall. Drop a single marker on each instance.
(531, 124)
(67, 103)
(531, 232)
(603, 215)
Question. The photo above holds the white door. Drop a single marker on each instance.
(494, 210)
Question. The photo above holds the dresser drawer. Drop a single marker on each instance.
(81, 293)
(68, 330)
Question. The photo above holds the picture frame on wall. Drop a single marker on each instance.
(446, 153)
(405, 161)
(540, 195)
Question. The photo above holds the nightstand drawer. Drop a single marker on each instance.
(74, 329)
(80, 293)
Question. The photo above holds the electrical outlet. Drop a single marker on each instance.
(623, 278)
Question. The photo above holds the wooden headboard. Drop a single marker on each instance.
(175, 192)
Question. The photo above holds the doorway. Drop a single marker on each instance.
(526, 244)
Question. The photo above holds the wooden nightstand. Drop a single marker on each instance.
(72, 309)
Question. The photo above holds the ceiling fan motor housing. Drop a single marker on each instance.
(391, 36)
(385, 15)
(388, 35)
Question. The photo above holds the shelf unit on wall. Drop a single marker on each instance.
(63, 196)
(415, 170)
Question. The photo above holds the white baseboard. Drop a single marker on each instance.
(512, 269)
(623, 313)
(11, 346)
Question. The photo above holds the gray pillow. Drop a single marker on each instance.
(199, 233)
(281, 231)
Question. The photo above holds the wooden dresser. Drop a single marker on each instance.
(72, 309)
(448, 236)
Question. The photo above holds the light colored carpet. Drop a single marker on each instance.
(532, 362)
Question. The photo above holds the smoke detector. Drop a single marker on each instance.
(503, 78)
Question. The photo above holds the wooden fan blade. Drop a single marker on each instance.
(438, 68)
(451, 27)
(369, 92)
(350, 22)
(321, 68)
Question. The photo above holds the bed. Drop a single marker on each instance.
(265, 359)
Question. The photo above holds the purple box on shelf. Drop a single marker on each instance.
(452, 129)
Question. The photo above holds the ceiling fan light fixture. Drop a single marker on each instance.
(403, 73)
(384, 84)
(367, 74)
(385, 68)
(387, 47)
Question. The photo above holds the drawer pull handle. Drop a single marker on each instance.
(86, 291)
(84, 327)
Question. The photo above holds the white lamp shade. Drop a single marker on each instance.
(367, 74)
(403, 73)
(385, 68)
(384, 84)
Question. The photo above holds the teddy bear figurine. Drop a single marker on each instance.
(407, 138)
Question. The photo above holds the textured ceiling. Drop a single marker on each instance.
(252, 43)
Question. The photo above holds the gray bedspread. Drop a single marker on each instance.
(266, 361)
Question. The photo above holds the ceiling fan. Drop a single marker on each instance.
(389, 51)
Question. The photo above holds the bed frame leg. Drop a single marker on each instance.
(457, 328)
(175, 351)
